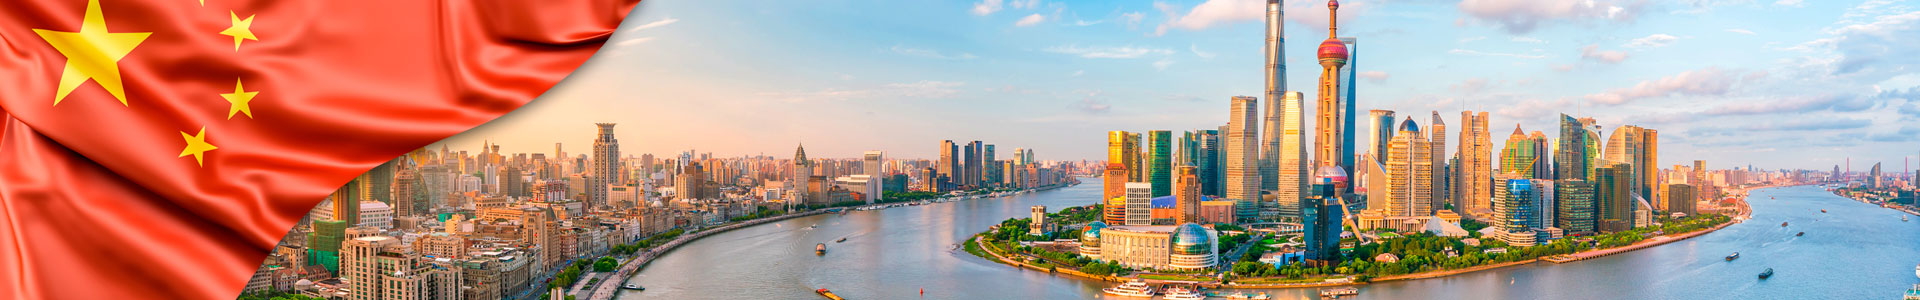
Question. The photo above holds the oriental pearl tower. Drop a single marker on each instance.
(1333, 55)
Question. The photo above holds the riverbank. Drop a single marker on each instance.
(609, 288)
(1741, 212)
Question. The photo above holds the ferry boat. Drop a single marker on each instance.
(1339, 292)
(1134, 288)
(1733, 256)
(1823, 211)
(1178, 293)
(1783, 224)
(635, 287)
(820, 249)
(1234, 296)
(1260, 296)
(1913, 293)
(1768, 273)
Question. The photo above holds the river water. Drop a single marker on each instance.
(1854, 251)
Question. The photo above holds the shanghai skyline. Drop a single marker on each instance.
(1071, 83)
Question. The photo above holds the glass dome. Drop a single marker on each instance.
(1092, 235)
(1191, 239)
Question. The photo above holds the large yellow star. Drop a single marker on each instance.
(239, 99)
(197, 146)
(242, 29)
(93, 53)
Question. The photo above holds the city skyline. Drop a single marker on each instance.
(1135, 76)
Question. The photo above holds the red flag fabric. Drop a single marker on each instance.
(159, 149)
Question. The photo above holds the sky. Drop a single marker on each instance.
(1773, 84)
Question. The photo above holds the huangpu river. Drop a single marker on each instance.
(1853, 251)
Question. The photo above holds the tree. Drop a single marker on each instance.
(605, 264)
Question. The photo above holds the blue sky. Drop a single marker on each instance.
(1778, 84)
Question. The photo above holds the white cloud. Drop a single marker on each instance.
(654, 24)
(1522, 16)
(1026, 4)
(1794, 3)
(1374, 76)
(1652, 41)
(1513, 55)
(1210, 13)
(635, 41)
(1133, 18)
(1741, 31)
(1030, 20)
(1163, 63)
(1077, 73)
(986, 7)
(1593, 52)
(1522, 39)
(1196, 51)
(1704, 82)
(1108, 52)
(928, 53)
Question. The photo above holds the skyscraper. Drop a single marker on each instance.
(1114, 195)
(1292, 176)
(1243, 177)
(1320, 214)
(1328, 147)
(950, 162)
(1124, 148)
(1276, 85)
(1347, 118)
(1438, 147)
(1576, 213)
(1380, 134)
(1472, 186)
(1409, 168)
(1518, 158)
(974, 164)
(1513, 209)
(1649, 168)
(1681, 199)
(1570, 158)
(1613, 187)
(606, 166)
(1160, 161)
(1186, 194)
(870, 164)
(1208, 159)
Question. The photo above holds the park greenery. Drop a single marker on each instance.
(605, 264)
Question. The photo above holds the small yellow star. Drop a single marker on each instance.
(241, 29)
(197, 146)
(93, 53)
(239, 99)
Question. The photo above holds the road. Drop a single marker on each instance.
(1226, 263)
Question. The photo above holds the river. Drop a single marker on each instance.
(1854, 251)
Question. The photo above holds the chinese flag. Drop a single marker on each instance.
(157, 149)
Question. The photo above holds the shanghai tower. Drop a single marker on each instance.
(1276, 85)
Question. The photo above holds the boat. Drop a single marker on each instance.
(842, 240)
(1768, 273)
(1134, 288)
(813, 226)
(828, 294)
(1800, 234)
(1179, 293)
(1903, 218)
(1783, 224)
(1823, 211)
(631, 286)
(820, 249)
(1234, 296)
(1260, 296)
(1733, 256)
(1913, 293)
(1339, 292)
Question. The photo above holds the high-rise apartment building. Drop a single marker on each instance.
(1160, 162)
(606, 166)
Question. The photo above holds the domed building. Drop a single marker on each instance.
(1090, 240)
(1194, 247)
(1188, 246)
